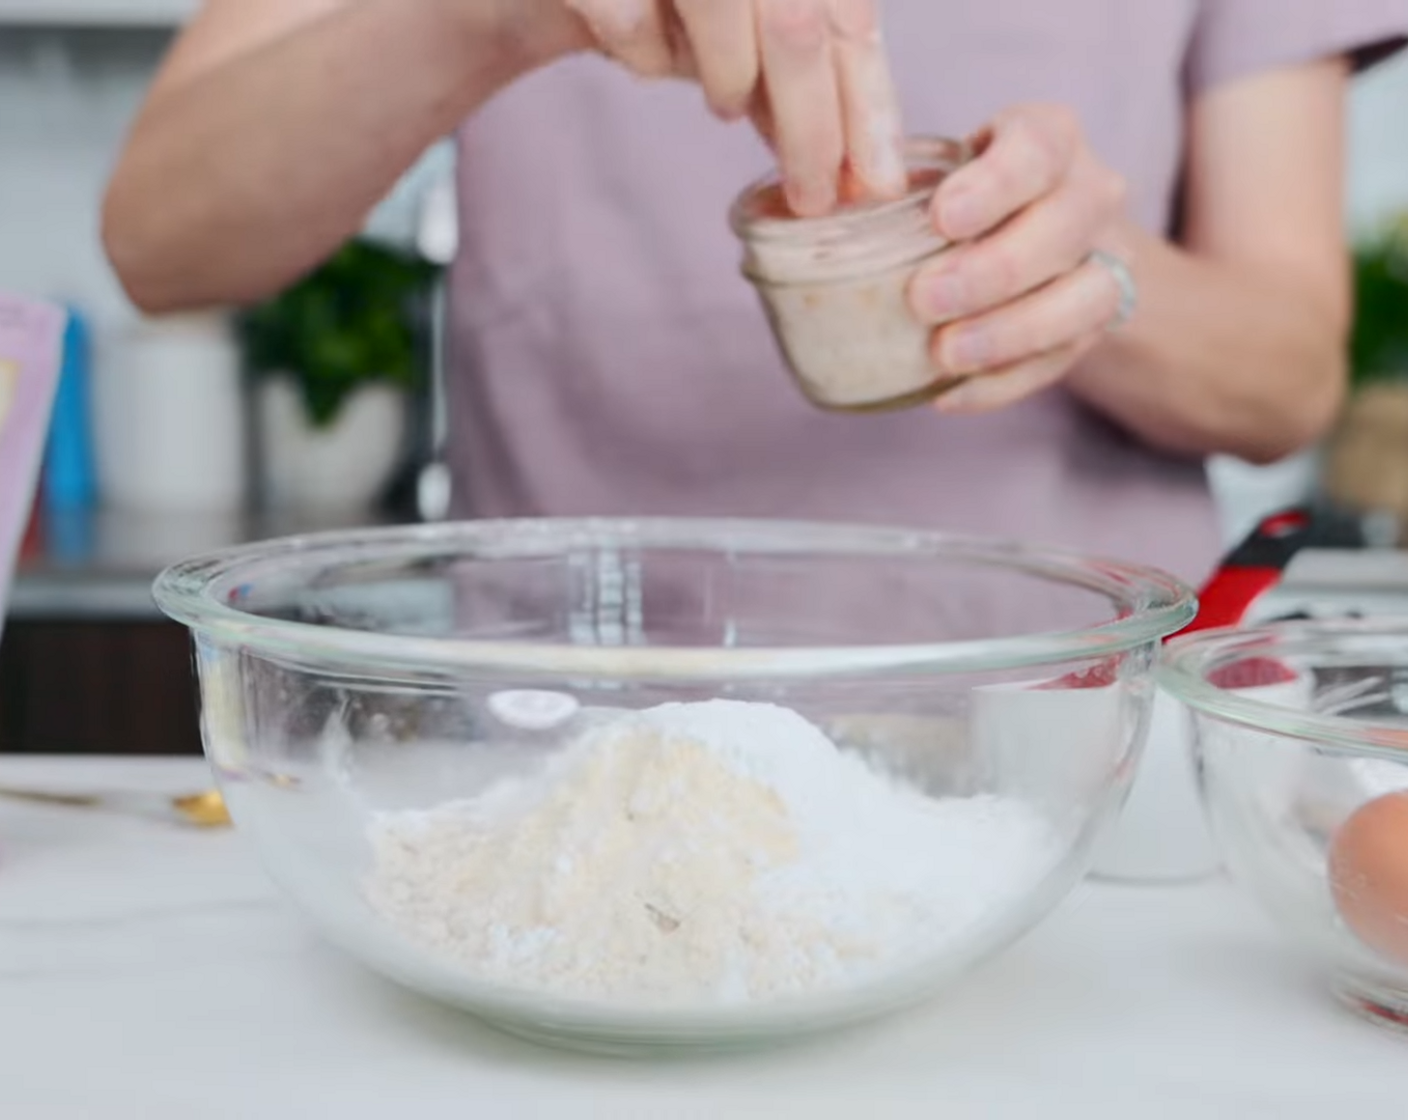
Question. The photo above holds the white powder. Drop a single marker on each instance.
(720, 852)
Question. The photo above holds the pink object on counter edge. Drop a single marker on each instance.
(31, 344)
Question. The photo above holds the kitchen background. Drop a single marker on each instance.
(81, 623)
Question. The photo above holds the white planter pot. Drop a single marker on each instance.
(341, 469)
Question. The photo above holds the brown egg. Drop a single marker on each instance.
(1369, 874)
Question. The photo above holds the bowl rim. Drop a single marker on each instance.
(189, 592)
(1188, 659)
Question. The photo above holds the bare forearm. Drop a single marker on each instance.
(239, 180)
(1219, 359)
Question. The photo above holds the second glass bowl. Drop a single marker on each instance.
(1301, 739)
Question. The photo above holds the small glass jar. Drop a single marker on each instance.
(836, 288)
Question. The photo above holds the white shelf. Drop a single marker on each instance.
(96, 13)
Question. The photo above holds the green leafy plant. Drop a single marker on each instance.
(1379, 344)
(354, 320)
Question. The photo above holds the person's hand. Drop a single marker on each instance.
(813, 75)
(1040, 272)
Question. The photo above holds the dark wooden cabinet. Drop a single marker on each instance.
(87, 663)
(97, 687)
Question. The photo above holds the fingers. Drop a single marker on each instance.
(634, 32)
(1024, 155)
(1004, 387)
(1079, 305)
(1020, 299)
(723, 41)
(813, 74)
(869, 102)
(685, 64)
(804, 100)
(831, 100)
(1039, 244)
(760, 113)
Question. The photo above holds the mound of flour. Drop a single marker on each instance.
(720, 852)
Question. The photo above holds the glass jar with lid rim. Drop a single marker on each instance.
(836, 287)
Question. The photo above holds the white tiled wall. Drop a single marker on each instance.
(64, 103)
(1378, 140)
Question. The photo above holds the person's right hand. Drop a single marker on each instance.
(812, 74)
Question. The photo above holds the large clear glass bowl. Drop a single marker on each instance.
(1301, 738)
(350, 676)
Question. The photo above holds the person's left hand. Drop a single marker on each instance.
(1020, 299)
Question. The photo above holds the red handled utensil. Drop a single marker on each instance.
(1247, 573)
(1252, 569)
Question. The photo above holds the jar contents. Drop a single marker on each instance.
(711, 853)
(835, 288)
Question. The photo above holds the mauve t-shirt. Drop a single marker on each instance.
(609, 359)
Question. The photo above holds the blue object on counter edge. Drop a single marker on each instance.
(70, 479)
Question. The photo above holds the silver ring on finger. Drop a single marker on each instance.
(1123, 276)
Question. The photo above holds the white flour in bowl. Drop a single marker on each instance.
(721, 852)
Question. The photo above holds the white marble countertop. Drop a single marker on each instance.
(151, 972)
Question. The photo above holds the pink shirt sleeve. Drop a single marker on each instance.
(1237, 38)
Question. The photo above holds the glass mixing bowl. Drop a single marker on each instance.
(358, 688)
(1301, 739)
